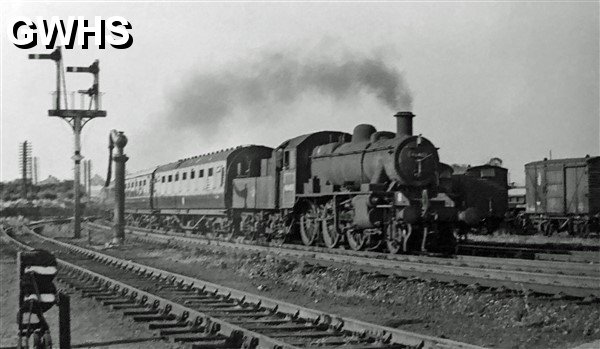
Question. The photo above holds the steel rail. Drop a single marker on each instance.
(385, 334)
(225, 327)
(544, 283)
(573, 268)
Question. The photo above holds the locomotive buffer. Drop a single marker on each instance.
(76, 118)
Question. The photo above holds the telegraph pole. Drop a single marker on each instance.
(26, 167)
(77, 118)
(24, 171)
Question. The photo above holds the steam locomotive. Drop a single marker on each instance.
(369, 190)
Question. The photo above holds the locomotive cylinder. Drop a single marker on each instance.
(364, 215)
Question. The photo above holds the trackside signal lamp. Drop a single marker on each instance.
(37, 294)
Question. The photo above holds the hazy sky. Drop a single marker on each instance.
(509, 80)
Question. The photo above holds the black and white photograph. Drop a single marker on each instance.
(300, 174)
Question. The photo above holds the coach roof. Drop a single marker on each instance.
(220, 155)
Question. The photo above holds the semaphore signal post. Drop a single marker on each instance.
(77, 118)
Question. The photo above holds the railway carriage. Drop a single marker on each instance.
(196, 193)
(138, 190)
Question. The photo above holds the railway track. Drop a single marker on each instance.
(578, 280)
(206, 315)
(551, 253)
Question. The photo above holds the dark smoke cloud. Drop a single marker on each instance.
(206, 99)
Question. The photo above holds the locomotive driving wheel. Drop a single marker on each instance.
(309, 225)
(287, 230)
(331, 233)
(357, 239)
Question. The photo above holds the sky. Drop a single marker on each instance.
(513, 80)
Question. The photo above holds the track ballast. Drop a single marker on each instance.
(206, 315)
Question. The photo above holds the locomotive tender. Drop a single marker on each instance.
(368, 189)
(483, 188)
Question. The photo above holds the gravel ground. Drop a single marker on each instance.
(487, 319)
(91, 324)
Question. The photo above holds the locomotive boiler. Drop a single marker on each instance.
(373, 157)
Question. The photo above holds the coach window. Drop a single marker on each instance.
(170, 178)
(192, 174)
(201, 174)
(176, 176)
(210, 171)
(163, 179)
(184, 176)
(222, 175)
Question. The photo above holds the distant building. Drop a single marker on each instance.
(50, 180)
(96, 185)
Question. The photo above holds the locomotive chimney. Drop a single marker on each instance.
(404, 123)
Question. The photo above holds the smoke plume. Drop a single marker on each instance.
(206, 99)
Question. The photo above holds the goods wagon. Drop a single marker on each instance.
(564, 195)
